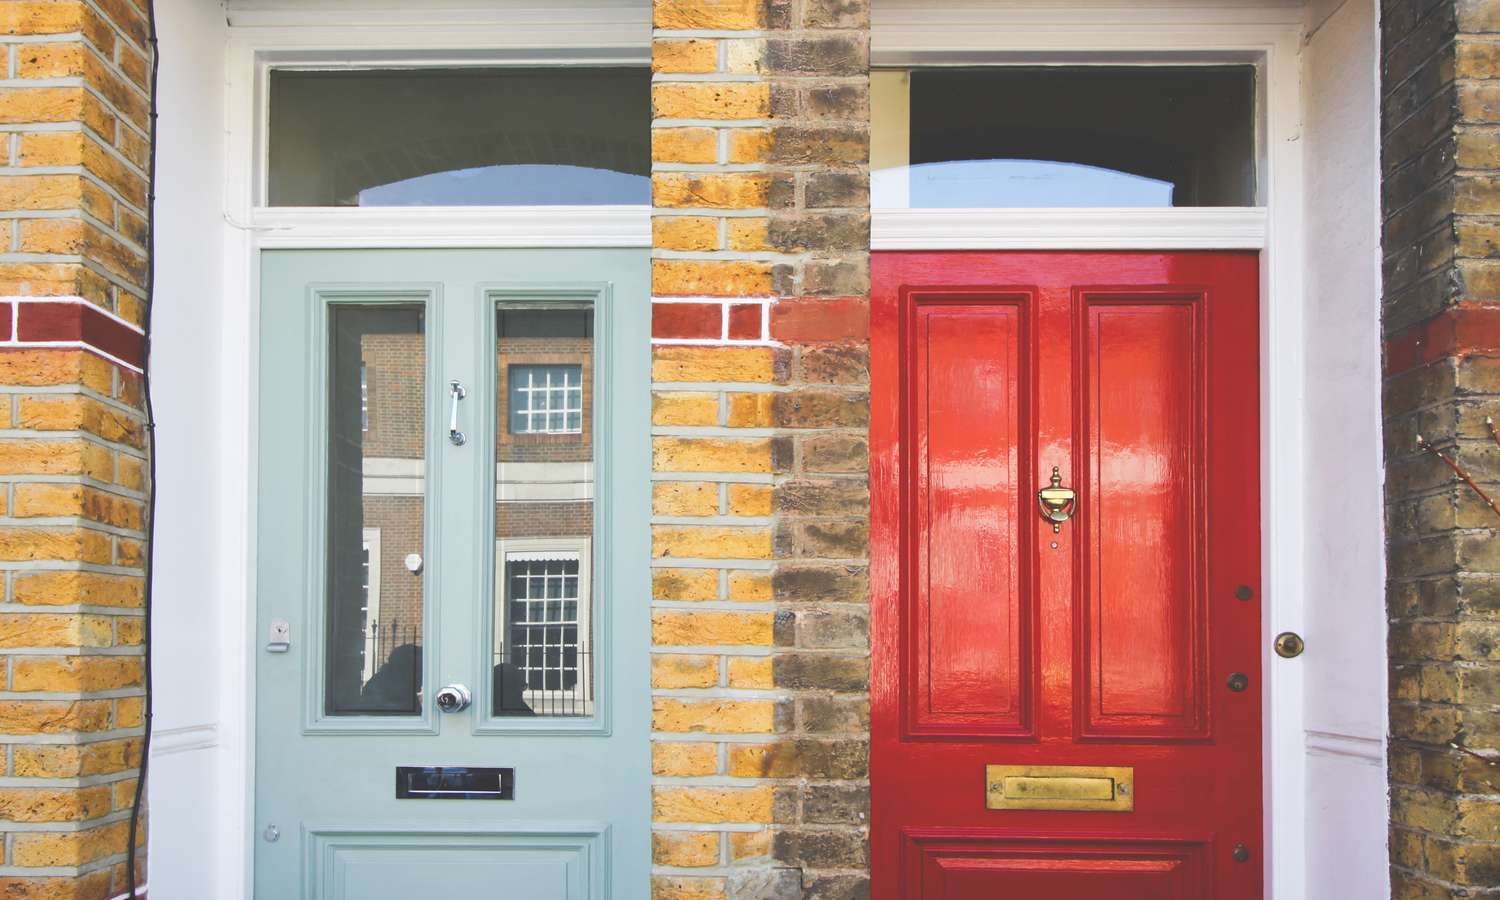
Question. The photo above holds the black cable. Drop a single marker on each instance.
(140, 783)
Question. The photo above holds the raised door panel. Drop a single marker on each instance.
(982, 867)
(966, 395)
(1144, 626)
(368, 864)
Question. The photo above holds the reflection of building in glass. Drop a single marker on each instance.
(393, 381)
(544, 513)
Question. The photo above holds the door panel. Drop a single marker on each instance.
(1113, 868)
(966, 393)
(352, 864)
(1103, 642)
(1142, 630)
(436, 507)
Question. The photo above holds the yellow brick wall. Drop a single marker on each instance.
(760, 710)
(73, 442)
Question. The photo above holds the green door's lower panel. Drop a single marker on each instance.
(361, 863)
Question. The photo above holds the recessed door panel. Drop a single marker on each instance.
(985, 868)
(966, 397)
(358, 863)
(1143, 620)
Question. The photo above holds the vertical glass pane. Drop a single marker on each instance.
(544, 514)
(527, 136)
(376, 414)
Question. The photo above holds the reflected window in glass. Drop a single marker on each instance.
(544, 511)
(546, 399)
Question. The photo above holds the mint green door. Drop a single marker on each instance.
(452, 689)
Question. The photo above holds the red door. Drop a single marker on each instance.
(1070, 709)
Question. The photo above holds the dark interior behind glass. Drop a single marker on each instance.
(1190, 128)
(514, 136)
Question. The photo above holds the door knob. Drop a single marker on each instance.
(1057, 502)
(453, 698)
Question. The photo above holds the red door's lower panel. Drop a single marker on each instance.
(946, 866)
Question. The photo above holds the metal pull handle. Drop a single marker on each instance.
(457, 391)
(1058, 503)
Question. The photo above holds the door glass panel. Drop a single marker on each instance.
(376, 491)
(511, 136)
(543, 659)
(1080, 136)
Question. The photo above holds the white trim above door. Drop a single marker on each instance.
(1200, 228)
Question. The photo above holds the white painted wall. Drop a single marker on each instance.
(186, 770)
(1345, 665)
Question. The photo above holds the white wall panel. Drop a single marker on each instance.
(1345, 556)
(186, 782)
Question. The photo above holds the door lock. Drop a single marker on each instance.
(279, 640)
(1057, 502)
(1289, 645)
(453, 698)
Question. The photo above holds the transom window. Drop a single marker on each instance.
(463, 136)
(546, 399)
(1052, 136)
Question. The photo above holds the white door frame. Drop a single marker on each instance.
(262, 36)
(1268, 35)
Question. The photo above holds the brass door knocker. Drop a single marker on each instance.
(1058, 503)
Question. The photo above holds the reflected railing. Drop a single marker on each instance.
(562, 686)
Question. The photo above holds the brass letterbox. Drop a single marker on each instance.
(1068, 788)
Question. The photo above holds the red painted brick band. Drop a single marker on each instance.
(817, 320)
(70, 322)
(1461, 331)
(709, 320)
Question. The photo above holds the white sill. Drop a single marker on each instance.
(1178, 228)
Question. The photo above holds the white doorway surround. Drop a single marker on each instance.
(1317, 227)
(212, 228)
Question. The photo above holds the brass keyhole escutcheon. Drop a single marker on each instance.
(1289, 645)
(1238, 682)
(1058, 503)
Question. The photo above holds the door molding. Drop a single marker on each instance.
(583, 846)
(322, 300)
(598, 548)
(1267, 34)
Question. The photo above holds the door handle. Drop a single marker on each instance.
(456, 390)
(453, 698)
(1058, 503)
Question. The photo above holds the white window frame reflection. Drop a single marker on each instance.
(372, 600)
(540, 700)
(572, 394)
